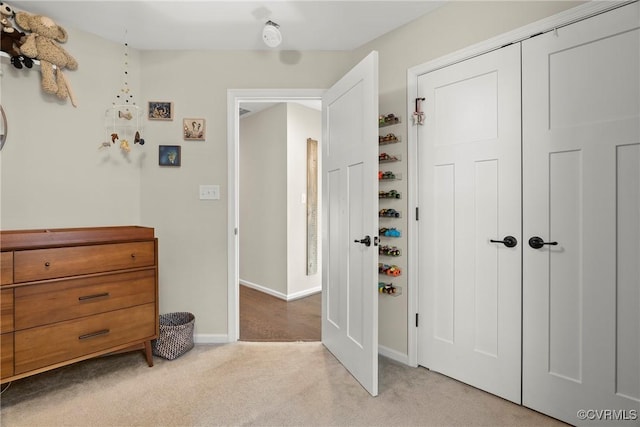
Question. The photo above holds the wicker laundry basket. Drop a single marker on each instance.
(176, 335)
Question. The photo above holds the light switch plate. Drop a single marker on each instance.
(209, 192)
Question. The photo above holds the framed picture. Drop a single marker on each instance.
(169, 155)
(160, 110)
(193, 129)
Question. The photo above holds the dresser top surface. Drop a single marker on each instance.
(54, 237)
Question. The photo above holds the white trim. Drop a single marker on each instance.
(263, 289)
(233, 312)
(393, 354)
(303, 294)
(412, 230)
(234, 98)
(280, 295)
(561, 19)
(211, 339)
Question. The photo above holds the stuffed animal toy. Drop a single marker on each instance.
(41, 44)
(11, 39)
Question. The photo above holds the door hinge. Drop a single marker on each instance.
(417, 214)
(416, 320)
(235, 231)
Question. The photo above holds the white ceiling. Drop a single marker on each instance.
(233, 25)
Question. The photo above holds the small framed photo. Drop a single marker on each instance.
(160, 110)
(169, 155)
(193, 129)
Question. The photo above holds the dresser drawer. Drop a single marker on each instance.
(6, 355)
(6, 268)
(46, 345)
(47, 303)
(6, 310)
(41, 264)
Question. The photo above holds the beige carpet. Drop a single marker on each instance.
(266, 384)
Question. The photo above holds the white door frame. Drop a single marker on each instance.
(234, 98)
(548, 24)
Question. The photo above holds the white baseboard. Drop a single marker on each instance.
(280, 295)
(305, 293)
(224, 339)
(393, 354)
(263, 289)
(210, 338)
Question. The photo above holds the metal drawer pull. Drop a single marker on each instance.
(86, 297)
(47, 264)
(133, 256)
(94, 334)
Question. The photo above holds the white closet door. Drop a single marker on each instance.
(581, 186)
(469, 194)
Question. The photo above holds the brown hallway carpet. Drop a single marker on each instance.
(250, 384)
(266, 318)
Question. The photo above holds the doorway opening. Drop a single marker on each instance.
(271, 295)
(265, 318)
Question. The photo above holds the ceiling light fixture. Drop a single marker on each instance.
(271, 34)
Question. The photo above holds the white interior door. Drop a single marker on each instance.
(469, 194)
(350, 209)
(581, 296)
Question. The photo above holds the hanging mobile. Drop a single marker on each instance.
(123, 120)
(137, 139)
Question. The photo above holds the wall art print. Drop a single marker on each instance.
(193, 129)
(169, 155)
(160, 110)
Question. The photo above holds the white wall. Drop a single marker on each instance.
(263, 200)
(454, 26)
(52, 173)
(54, 176)
(193, 233)
(302, 123)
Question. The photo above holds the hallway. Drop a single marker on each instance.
(266, 318)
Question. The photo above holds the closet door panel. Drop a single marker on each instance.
(628, 272)
(581, 124)
(469, 178)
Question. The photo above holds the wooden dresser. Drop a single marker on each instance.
(68, 295)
